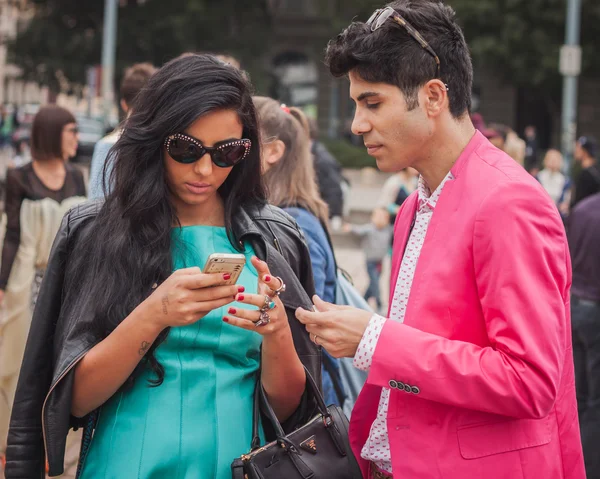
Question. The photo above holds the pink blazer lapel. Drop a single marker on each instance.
(402, 228)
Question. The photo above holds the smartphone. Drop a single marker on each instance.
(226, 263)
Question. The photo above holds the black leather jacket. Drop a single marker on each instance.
(60, 335)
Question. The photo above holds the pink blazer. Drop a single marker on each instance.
(486, 342)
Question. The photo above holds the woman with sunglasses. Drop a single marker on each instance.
(156, 359)
(37, 196)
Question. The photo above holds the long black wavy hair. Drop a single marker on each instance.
(128, 248)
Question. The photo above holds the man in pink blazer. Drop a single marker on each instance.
(471, 373)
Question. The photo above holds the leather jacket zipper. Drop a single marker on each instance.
(64, 373)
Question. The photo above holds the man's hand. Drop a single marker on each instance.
(338, 329)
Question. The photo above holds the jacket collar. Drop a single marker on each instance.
(244, 221)
(474, 144)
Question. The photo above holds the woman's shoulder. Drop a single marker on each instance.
(272, 222)
(306, 220)
(19, 172)
(81, 214)
(267, 213)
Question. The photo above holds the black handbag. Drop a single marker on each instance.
(318, 449)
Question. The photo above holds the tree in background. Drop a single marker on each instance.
(517, 39)
(64, 37)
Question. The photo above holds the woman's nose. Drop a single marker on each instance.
(204, 165)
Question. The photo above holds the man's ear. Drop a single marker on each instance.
(436, 95)
(124, 106)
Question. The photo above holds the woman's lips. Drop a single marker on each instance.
(197, 188)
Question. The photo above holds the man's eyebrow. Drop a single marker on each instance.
(366, 94)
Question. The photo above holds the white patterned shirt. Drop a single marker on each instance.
(377, 447)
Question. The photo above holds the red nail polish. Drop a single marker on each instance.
(225, 319)
(226, 276)
(240, 297)
(232, 311)
(241, 289)
(267, 278)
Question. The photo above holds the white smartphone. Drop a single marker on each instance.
(232, 264)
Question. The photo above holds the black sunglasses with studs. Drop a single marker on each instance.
(380, 16)
(186, 149)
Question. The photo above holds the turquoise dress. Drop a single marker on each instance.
(200, 418)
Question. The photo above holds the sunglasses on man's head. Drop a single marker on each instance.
(185, 149)
(381, 15)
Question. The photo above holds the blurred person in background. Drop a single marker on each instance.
(157, 360)
(583, 230)
(588, 181)
(504, 138)
(478, 121)
(554, 181)
(396, 189)
(375, 242)
(38, 194)
(494, 137)
(7, 126)
(289, 176)
(134, 80)
(329, 176)
(22, 153)
(515, 147)
(531, 148)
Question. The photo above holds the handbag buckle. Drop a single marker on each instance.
(327, 420)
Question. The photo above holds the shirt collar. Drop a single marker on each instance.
(427, 199)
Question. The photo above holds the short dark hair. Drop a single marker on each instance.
(589, 144)
(134, 80)
(390, 55)
(46, 132)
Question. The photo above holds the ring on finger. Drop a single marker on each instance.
(281, 289)
(315, 339)
(263, 320)
(268, 305)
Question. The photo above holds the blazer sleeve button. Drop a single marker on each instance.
(415, 390)
(393, 384)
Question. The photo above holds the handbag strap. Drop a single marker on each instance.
(256, 416)
(261, 402)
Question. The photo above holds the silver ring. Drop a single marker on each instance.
(269, 304)
(264, 319)
(281, 289)
(315, 339)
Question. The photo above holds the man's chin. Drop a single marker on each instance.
(388, 165)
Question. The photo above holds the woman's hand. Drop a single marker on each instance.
(187, 296)
(282, 373)
(273, 314)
